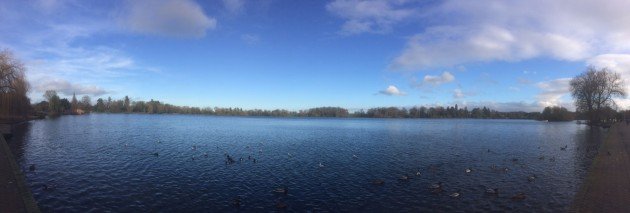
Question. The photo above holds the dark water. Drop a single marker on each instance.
(106, 163)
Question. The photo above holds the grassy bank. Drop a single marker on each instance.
(607, 186)
(15, 195)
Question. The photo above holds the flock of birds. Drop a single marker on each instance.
(435, 188)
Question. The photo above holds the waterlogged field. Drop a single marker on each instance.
(108, 162)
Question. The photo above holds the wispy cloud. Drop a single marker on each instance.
(234, 6)
(250, 39)
(369, 16)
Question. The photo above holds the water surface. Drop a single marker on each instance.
(107, 162)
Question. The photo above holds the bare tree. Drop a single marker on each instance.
(594, 91)
(11, 73)
(13, 87)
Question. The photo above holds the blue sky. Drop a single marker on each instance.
(508, 55)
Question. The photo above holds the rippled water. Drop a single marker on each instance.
(106, 163)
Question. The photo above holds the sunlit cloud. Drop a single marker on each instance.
(485, 31)
(392, 91)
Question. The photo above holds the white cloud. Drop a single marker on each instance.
(481, 31)
(372, 16)
(392, 90)
(66, 88)
(554, 93)
(178, 18)
(437, 80)
(234, 6)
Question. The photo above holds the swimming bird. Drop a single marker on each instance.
(229, 160)
(31, 167)
(541, 158)
(378, 182)
(492, 191)
(436, 185)
(531, 178)
(468, 170)
(519, 196)
(403, 178)
(205, 154)
(563, 148)
(156, 154)
(50, 187)
(354, 156)
(418, 173)
(283, 190)
(455, 194)
(320, 165)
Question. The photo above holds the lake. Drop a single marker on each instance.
(132, 163)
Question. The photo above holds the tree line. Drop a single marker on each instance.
(54, 106)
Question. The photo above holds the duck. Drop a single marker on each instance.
(320, 165)
(541, 158)
(50, 187)
(455, 194)
(492, 191)
(437, 185)
(519, 196)
(282, 190)
(205, 154)
(564, 148)
(378, 182)
(531, 178)
(156, 154)
(403, 178)
(468, 170)
(31, 167)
